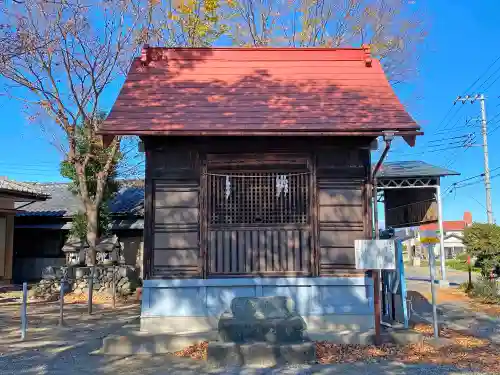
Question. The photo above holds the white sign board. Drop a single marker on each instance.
(375, 254)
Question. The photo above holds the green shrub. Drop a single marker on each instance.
(484, 289)
(483, 241)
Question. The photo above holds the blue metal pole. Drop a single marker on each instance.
(402, 280)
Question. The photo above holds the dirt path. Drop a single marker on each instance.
(457, 310)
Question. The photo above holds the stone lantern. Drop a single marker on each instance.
(108, 250)
(75, 250)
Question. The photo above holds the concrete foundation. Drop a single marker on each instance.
(191, 324)
(334, 304)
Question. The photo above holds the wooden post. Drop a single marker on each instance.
(61, 302)
(314, 210)
(376, 273)
(203, 261)
(114, 287)
(376, 305)
(469, 266)
(91, 287)
(24, 317)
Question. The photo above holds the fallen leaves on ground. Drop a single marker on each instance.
(465, 351)
(196, 351)
(97, 298)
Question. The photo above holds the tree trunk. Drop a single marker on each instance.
(92, 232)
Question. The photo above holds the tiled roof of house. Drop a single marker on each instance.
(129, 200)
(23, 188)
(457, 225)
(243, 91)
(451, 226)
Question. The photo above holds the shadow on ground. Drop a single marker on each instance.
(50, 350)
(456, 316)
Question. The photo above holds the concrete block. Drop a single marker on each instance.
(440, 342)
(260, 353)
(346, 337)
(444, 284)
(403, 336)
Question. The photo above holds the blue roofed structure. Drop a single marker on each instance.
(407, 169)
(129, 200)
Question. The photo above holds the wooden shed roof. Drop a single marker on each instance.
(257, 91)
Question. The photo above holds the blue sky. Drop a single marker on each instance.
(462, 43)
(461, 46)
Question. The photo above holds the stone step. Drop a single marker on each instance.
(260, 353)
(393, 336)
(135, 343)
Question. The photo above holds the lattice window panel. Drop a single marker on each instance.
(254, 199)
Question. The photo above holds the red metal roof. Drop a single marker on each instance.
(238, 91)
(448, 226)
(455, 225)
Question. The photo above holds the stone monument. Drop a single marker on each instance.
(261, 330)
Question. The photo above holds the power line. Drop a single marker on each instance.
(454, 157)
(470, 87)
(475, 182)
(454, 185)
(494, 130)
(482, 205)
(486, 80)
(484, 73)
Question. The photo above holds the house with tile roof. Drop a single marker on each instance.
(453, 235)
(42, 227)
(258, 178)
(13, 194)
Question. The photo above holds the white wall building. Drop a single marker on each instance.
(453, 235)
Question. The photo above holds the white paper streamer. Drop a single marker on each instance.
(228, 187)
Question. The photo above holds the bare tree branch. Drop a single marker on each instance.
(63, 55)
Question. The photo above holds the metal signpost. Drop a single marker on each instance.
(430, 239)
(375, 255)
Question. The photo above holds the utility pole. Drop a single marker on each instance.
(484, 132)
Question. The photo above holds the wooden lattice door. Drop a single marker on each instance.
(259, 221)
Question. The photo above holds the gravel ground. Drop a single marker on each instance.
(50, 350)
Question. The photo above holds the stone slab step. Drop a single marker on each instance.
(393, 336)
(260, 353)
(136, 343)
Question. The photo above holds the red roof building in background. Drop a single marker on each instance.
(451, 226)
(258, 91)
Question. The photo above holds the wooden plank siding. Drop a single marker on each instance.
(175, 208)
(259, 251)
(342, 211)
(180, 242)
